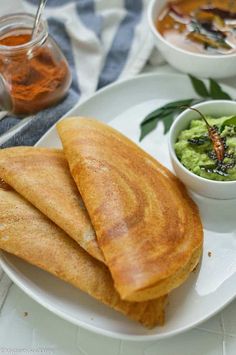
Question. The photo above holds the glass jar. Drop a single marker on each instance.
(34, 73)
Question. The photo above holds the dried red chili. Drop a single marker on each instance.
(215, 137)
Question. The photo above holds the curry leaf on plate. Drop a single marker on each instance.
(148, 127)
(199, 86)
(166, 109)
(180, 103)
(154, 115)
(168, 122)
(166, 112)
(216, 92)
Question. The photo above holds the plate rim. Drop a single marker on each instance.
(9, 269)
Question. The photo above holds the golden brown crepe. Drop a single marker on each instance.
(42, 176)
(28, 234)
(146, 224)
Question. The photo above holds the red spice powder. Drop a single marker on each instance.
(35, 79)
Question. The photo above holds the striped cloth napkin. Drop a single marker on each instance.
(103, 40)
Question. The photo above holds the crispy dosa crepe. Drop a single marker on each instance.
(146, 224)
(42, 176)
(28, 234)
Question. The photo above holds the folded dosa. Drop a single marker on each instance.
(43, 177)
(28, 234)
(146, 224)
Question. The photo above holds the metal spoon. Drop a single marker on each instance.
(38, 16)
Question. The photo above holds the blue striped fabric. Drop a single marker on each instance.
(92, 20)
(113, 61)
(119, 50)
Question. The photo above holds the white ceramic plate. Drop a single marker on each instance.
(211, 287)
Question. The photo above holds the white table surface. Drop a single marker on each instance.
(28, 328)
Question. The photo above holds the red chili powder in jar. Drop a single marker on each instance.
(16, 40)
(35, 79)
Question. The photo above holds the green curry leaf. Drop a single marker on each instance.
(168, 122)
(148, 127)
(155, 115)
(168, 112)
(165, 113)
(199, 86)
(216, 92)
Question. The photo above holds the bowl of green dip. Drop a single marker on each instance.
(195, 156)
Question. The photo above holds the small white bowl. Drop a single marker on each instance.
(223, 190)
(203, 65)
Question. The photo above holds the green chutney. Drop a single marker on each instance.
(197, 158)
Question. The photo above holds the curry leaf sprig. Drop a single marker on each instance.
(168, 112)
(214, 92)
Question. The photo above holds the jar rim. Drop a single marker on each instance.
(11, 20)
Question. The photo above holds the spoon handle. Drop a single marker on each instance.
(38, 17)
